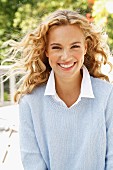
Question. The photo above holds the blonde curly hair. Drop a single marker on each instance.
(29, 54)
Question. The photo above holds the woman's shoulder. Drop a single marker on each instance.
(101, 87)
(100, 82)
(36, 94)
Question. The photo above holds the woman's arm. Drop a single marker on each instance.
(30, 152)
(109, 133)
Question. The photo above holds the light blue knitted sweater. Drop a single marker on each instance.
(53, 137)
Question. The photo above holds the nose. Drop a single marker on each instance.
(65, 55)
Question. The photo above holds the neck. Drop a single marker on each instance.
(69, 89)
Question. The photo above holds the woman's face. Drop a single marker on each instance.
(65, 50)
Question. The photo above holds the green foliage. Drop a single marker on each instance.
(28, 16)
(109, 30)
(19, 16)
(104, 18)
(6, 96)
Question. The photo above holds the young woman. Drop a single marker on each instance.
(66, 106)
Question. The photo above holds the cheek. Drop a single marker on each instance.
(52, 59)
(79, 55)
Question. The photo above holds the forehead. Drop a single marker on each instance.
(65, 32)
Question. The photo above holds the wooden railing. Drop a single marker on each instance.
(4, 70)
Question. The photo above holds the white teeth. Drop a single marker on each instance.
(66, 65)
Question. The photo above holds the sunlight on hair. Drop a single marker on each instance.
(106, 69)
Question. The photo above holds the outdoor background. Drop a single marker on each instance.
(17, 17)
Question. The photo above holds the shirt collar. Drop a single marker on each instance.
(86, 86)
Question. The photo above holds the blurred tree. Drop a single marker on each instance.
(28, 15)
(19, 16)
(103, 15)
(7, 14)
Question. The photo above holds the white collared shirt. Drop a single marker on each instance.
(86, 87)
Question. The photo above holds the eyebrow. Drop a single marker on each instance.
(76, 42)
(55, 44)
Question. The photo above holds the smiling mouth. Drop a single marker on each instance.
(67, 65)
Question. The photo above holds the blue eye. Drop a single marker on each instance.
(56, 47)
(75, 46)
